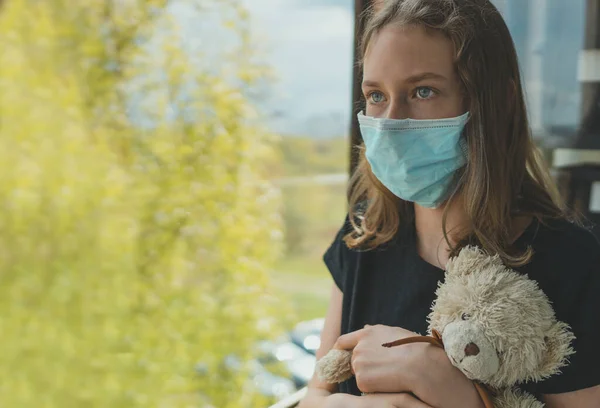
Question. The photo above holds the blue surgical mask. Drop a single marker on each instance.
(415, 159)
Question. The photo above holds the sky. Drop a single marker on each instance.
(309, 45)
(306, 43)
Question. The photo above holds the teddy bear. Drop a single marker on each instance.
(496, 326)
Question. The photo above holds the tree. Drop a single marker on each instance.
(138, 222)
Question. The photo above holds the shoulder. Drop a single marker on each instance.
(338, 257)
(344, 261)
(563, 235)
(566, 265)
(563, 249)
(339, 248)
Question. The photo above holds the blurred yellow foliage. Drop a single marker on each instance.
(129, 252)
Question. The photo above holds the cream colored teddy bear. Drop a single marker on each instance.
(496, 325)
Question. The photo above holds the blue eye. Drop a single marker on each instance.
(376, 97)
(424, 92)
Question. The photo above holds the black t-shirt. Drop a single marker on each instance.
(392, 285)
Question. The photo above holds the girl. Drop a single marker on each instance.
(447, 161)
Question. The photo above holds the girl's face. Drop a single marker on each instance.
(409, 73)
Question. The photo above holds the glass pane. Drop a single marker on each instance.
(149, 165)
(308, 45)
(548, 35)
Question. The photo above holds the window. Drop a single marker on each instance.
(309, 46)
(548, 35)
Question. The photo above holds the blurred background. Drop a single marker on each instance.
(173, 170)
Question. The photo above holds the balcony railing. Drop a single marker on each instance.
(291, 401)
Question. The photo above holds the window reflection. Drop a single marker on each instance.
(548, 35)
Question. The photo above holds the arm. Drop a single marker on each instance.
(317, 390)
(586, 398)
(323, 395)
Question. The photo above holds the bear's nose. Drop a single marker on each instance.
(471, 349)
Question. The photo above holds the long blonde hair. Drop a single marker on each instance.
(505, 174)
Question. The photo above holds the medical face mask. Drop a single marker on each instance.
(415, 159)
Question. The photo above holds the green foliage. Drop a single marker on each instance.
(312, 215)
(304, 156)
(126, 256)
(312, 212)
(305, 281)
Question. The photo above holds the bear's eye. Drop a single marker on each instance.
(465, 316)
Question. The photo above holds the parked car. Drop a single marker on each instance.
(260, 379)
(282, 366)
(269, 384)
(307, 335)
(299, 364)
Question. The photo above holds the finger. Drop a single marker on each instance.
(348, 341)
(395, 400)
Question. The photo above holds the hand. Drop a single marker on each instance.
(442, 385)
(340, 401)
(379, 369)
(373, 401)
(419, 368)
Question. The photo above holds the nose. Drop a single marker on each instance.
(471, 349)
(397, 110)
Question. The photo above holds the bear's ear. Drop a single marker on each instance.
(558, 349)
(471, 258)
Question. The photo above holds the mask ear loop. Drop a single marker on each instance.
(464, 146)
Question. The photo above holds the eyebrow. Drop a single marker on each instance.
(412, 79)
(424, 76)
